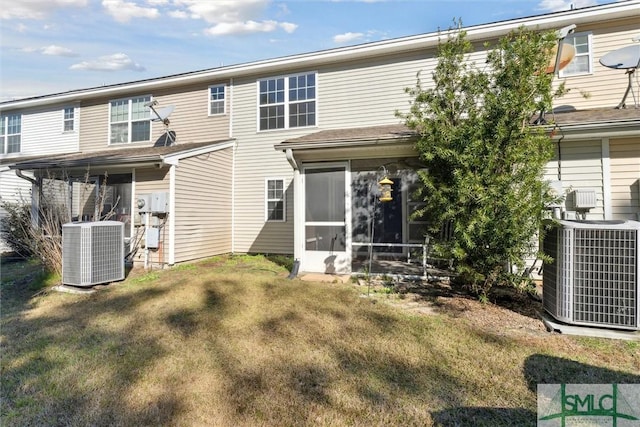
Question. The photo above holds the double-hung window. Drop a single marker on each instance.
(10, 133)
(68, 119)
(129, 120)
(287, 102)
(275, 200)
(216, 100)
(581, 63)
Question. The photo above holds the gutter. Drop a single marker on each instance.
(596, 130)
(287, 146)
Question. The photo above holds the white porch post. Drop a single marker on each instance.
(298, 217)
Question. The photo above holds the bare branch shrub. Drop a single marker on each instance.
(43, 239)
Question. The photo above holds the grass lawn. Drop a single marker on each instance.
(231, 342)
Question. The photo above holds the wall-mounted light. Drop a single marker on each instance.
(385, 189)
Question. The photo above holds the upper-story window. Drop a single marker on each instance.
(216, 100)
(129, 120)
(10, 133)
(581, 63)
(68, 119)
(287, 102)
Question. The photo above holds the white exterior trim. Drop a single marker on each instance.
(174, 159)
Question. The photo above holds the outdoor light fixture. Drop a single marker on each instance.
(385, 189)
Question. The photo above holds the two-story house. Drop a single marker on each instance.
(284, 155)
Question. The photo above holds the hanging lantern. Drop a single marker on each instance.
(385, 189)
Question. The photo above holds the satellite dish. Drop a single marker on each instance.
(163, 113)
(626, 58)
(567, 53)
(623, 58)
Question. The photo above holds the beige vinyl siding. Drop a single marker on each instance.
(203, 206)
(190, 119)
(368, 92)
(256, 160)
(625, 178)
(581, 167)
(150, 180)
(605, 87)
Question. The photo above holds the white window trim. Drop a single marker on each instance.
(267, 200)
(73, 120)
(129, 121)
(286, 102)
(224, 101)
(5, 134)
(589, 35)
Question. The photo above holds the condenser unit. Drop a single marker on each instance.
(594, 278)
(92, 253)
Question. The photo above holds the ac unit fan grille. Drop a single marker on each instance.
(605, 277)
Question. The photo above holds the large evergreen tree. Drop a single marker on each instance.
(484, 160)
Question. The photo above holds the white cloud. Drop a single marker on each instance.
(558, 5)
(224, 11)
(35, 9)
(347, 37)
(288, 27)
(247, 27)
(115, 62)
(57, 51)
(232, 16)
(158, 2)
(123, 11)
(178, 14)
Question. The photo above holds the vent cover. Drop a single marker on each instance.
(594, 278)
(92, 253)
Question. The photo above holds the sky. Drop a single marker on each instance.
(53, 46)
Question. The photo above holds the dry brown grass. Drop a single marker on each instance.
(231, 342)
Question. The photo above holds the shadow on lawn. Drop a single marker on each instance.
(538, 369)
(56, 367)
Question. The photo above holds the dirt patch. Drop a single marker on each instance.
(508, 312)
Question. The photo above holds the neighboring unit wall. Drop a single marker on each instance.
(190, 119)
(604, 87)
(42, 131)
(625, 178)
(203, 205)
(12, 190)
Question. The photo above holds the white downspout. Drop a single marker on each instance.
(35, 196)
(606, 179)
(172, 214)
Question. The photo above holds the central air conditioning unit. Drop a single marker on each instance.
(92, 253)
(594, 279)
